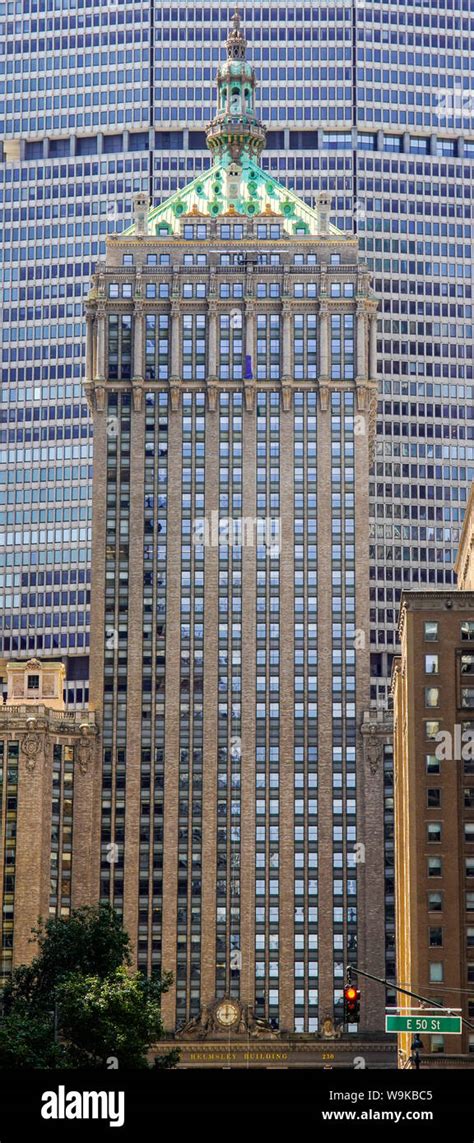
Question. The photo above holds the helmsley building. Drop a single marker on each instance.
(237, 816)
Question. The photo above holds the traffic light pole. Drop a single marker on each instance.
(406, 992)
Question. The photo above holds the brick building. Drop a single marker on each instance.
(47, 761)
(433, 690)
(231, 374)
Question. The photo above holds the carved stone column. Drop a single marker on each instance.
(212, 371)
(101, 318)
(361, 344)
(89, 346)
(175, 343)
(138, 362)
(323, 342)
(373, 347)
(287, 374)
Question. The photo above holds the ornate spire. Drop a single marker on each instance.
(236, 42)
(235, 132)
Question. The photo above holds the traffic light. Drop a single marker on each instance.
(351, 1004)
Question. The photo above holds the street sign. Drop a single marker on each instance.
(451, 1025)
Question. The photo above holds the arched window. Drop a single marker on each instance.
(235, 100)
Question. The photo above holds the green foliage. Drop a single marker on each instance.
(27, 1041)
(116, 1016)
(78, 1003)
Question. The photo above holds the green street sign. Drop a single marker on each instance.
(452, 1025)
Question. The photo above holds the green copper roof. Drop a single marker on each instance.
(233, 190)
(235, 185)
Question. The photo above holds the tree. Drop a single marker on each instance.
(78, 1003)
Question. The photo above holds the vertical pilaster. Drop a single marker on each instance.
(134, 673)
(101, 318)
(172, 716)
(361, 344)
(249, 632)
(33, 847)
(138, 343)
(175, 342)
(212, 370)
(210, 722)
(325, 768)
(287, 372)
(373, 348)
(287, 736)
(323, 341)
(89, 347)
(97, 642)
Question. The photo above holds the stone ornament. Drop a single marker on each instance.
(225, 1016)
(31, 748)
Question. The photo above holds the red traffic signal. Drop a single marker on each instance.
(351, 1004)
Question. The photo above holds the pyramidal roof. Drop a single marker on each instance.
(235, 185)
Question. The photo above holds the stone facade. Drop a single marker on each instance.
(48, 761)
(266, 348)
(434, 811)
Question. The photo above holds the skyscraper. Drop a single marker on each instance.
(231, 371)
(368, 101)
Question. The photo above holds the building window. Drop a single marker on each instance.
(437, 1044)
(419, 146)
(436, 972)
(432, 764)
(393, 143)
(435, 902)
(433, 830)
(194, 347)
(157, 347)
(231, 347)
(305, 357)
(467, 698)
(366, 142)
(435, 867)
(447, 147)
(268, 347)
(431, 632)
(342, 347)
(434, 798)
(127, 260)
(436, 938)
(467, 630)
(432, 729)
(33, 682)
(431, 696)
(431, 664)
(120, 347)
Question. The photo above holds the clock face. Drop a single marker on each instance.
(227, 1014)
